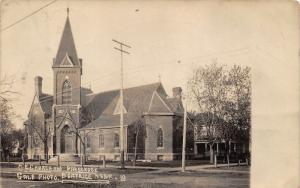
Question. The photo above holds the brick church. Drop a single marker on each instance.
(76, 121)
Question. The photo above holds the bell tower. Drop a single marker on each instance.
(67, 71)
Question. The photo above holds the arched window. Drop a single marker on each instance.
(88, 142)
(117, 140)
(160, 138)
(67, 92)
(101, 140)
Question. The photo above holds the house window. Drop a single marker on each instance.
(101, 140)
(67, 92)
(117, 140)
(160, 139)
(88, 142)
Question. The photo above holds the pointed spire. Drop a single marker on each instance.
(66, 45)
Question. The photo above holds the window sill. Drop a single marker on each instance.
(160, 148)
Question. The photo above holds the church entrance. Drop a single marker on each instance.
(66, 140)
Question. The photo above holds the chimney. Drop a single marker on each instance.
(177, 92)
(38, 85)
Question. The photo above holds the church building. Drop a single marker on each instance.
(76, 121)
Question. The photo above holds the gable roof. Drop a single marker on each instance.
(67, 47)
(157, 104)
(137, 101)
(44, 101)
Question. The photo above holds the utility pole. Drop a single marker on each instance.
(121, 101)
(184, 137)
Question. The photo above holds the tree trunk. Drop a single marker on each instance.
(84, 159)
(211, 153)
(46, 150)
(228, 161)
(76, 144)
(135, 148)
(228, 152)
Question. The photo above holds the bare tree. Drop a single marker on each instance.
(6, 115)
(207, 90)
(6, 91)
(6, 128)
(40, 132)
(223, 99)
(138, 131)
(238, 105)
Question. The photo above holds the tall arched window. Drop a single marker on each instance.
(101, 140)
(88, 142)
(67, 92)
(160, 138)
(117, 140)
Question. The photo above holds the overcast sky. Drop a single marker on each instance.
(168, 38)
(171, 38)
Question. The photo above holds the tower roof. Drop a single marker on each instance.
(66, 46)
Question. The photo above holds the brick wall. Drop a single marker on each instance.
(109, 150)
(60, 75)
(152, 151)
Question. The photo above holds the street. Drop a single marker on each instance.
(157, 178)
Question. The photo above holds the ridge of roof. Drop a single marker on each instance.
(133, 87)
(93, 95)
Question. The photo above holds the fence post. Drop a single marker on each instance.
(104, 164)
(40, 160)
(228, 162)
(239, 161)
(58, 160)
(247, 163)
(216, 160)
(81, 160)
(23, 159)
(8, 158)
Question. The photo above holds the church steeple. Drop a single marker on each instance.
(67, 70)
(67, 46)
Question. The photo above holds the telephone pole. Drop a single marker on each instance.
(121, 100)
(184, 136)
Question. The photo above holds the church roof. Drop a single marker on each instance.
(67, 47)
(46, 102)
(137, 101)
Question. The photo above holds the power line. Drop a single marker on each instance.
(137, 69)
(31, 14)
